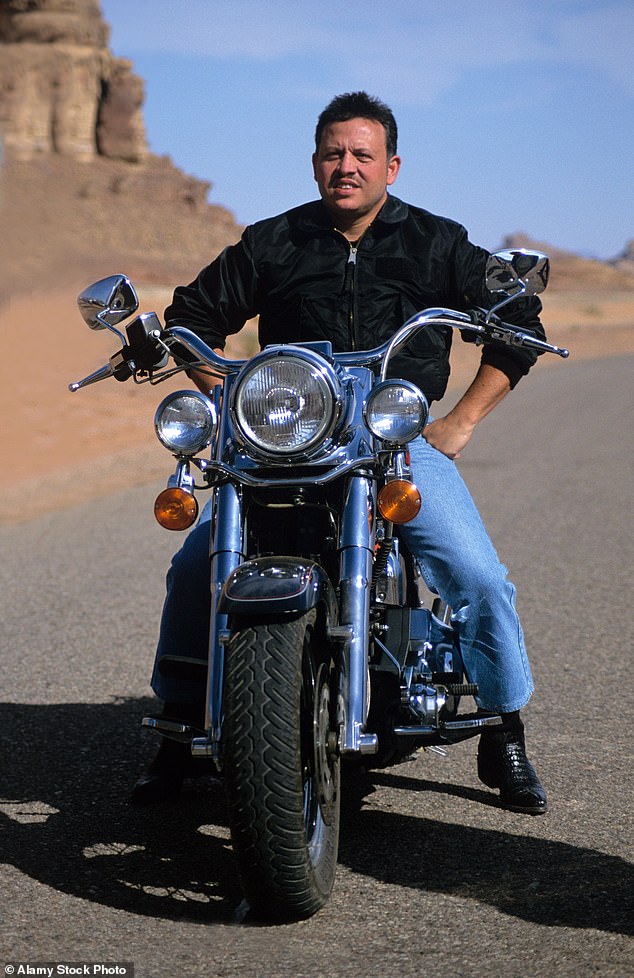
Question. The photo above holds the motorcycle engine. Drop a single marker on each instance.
(426, 692)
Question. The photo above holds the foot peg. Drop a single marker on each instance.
(172, 729)
(473, 721)
(462, 689)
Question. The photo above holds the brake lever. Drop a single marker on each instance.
(502, 333)
(143, 352)
(102, 374)
(490, 328)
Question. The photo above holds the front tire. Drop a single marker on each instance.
(282, 768)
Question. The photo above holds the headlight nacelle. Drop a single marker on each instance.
(396, 411)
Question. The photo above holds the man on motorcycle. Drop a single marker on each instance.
(351, 268)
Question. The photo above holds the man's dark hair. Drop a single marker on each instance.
(359, 105)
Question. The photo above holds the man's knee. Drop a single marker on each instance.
(476, 583)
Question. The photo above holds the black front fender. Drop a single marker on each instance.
(276, 585)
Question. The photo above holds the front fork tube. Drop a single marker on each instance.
(357, 550)
(226, 554)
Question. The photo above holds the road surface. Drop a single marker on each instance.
(434, 879)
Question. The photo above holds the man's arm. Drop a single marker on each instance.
(204, 379)
(451, 434)
(468, 277)
(216, 304)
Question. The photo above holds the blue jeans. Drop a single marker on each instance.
(457, 559)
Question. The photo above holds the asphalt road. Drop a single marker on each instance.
(434, 879)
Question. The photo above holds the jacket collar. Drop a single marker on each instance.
(313, 217)
(393, 211)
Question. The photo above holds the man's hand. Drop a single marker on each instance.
(448, 436)
(451, 434)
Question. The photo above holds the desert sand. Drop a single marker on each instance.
(61, 448)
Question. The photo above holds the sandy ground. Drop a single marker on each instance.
(59, 448)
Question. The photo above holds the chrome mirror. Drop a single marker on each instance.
(108, 302)
(517, 272)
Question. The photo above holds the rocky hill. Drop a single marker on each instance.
(80, 192)
(572, 273)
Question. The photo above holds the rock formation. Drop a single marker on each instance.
(80, 192)
(61, 91)
(625, 260)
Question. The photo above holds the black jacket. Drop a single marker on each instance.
(305, 282)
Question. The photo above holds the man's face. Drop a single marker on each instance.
(352, 170)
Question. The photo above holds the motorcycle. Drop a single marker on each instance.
(323, 650)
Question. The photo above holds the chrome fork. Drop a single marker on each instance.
(226, 554)
(357, 550)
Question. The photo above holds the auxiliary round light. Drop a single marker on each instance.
(185, 422)
(396, 411)
(399, 501)
(175, 509)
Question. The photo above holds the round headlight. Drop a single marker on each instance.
(286, 404)
(396, 411)
(185, 422)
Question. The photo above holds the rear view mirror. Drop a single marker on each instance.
(108, 302)
(517, 272)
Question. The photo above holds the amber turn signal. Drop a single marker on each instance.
(175, 509)
(399, 501)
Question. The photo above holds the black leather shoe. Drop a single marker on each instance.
(164, 777)
(503, 764)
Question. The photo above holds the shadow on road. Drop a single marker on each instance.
(66, 822)
(67, 771)
(539, 880)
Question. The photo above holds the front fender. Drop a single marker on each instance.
(276, 585)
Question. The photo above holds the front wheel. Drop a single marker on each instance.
(282, 768)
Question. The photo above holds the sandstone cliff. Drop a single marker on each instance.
(62, 92)
(80, 193)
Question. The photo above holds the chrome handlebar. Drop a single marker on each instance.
(476, 322)
(492, 331)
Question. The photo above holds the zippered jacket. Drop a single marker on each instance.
(306, 282)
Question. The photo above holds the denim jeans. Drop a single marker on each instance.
(458, 561)
(456, 557)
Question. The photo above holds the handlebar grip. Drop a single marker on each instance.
(490, 328)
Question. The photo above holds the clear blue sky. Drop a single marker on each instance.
(516, 115)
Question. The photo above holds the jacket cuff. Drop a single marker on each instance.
(512, 366)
